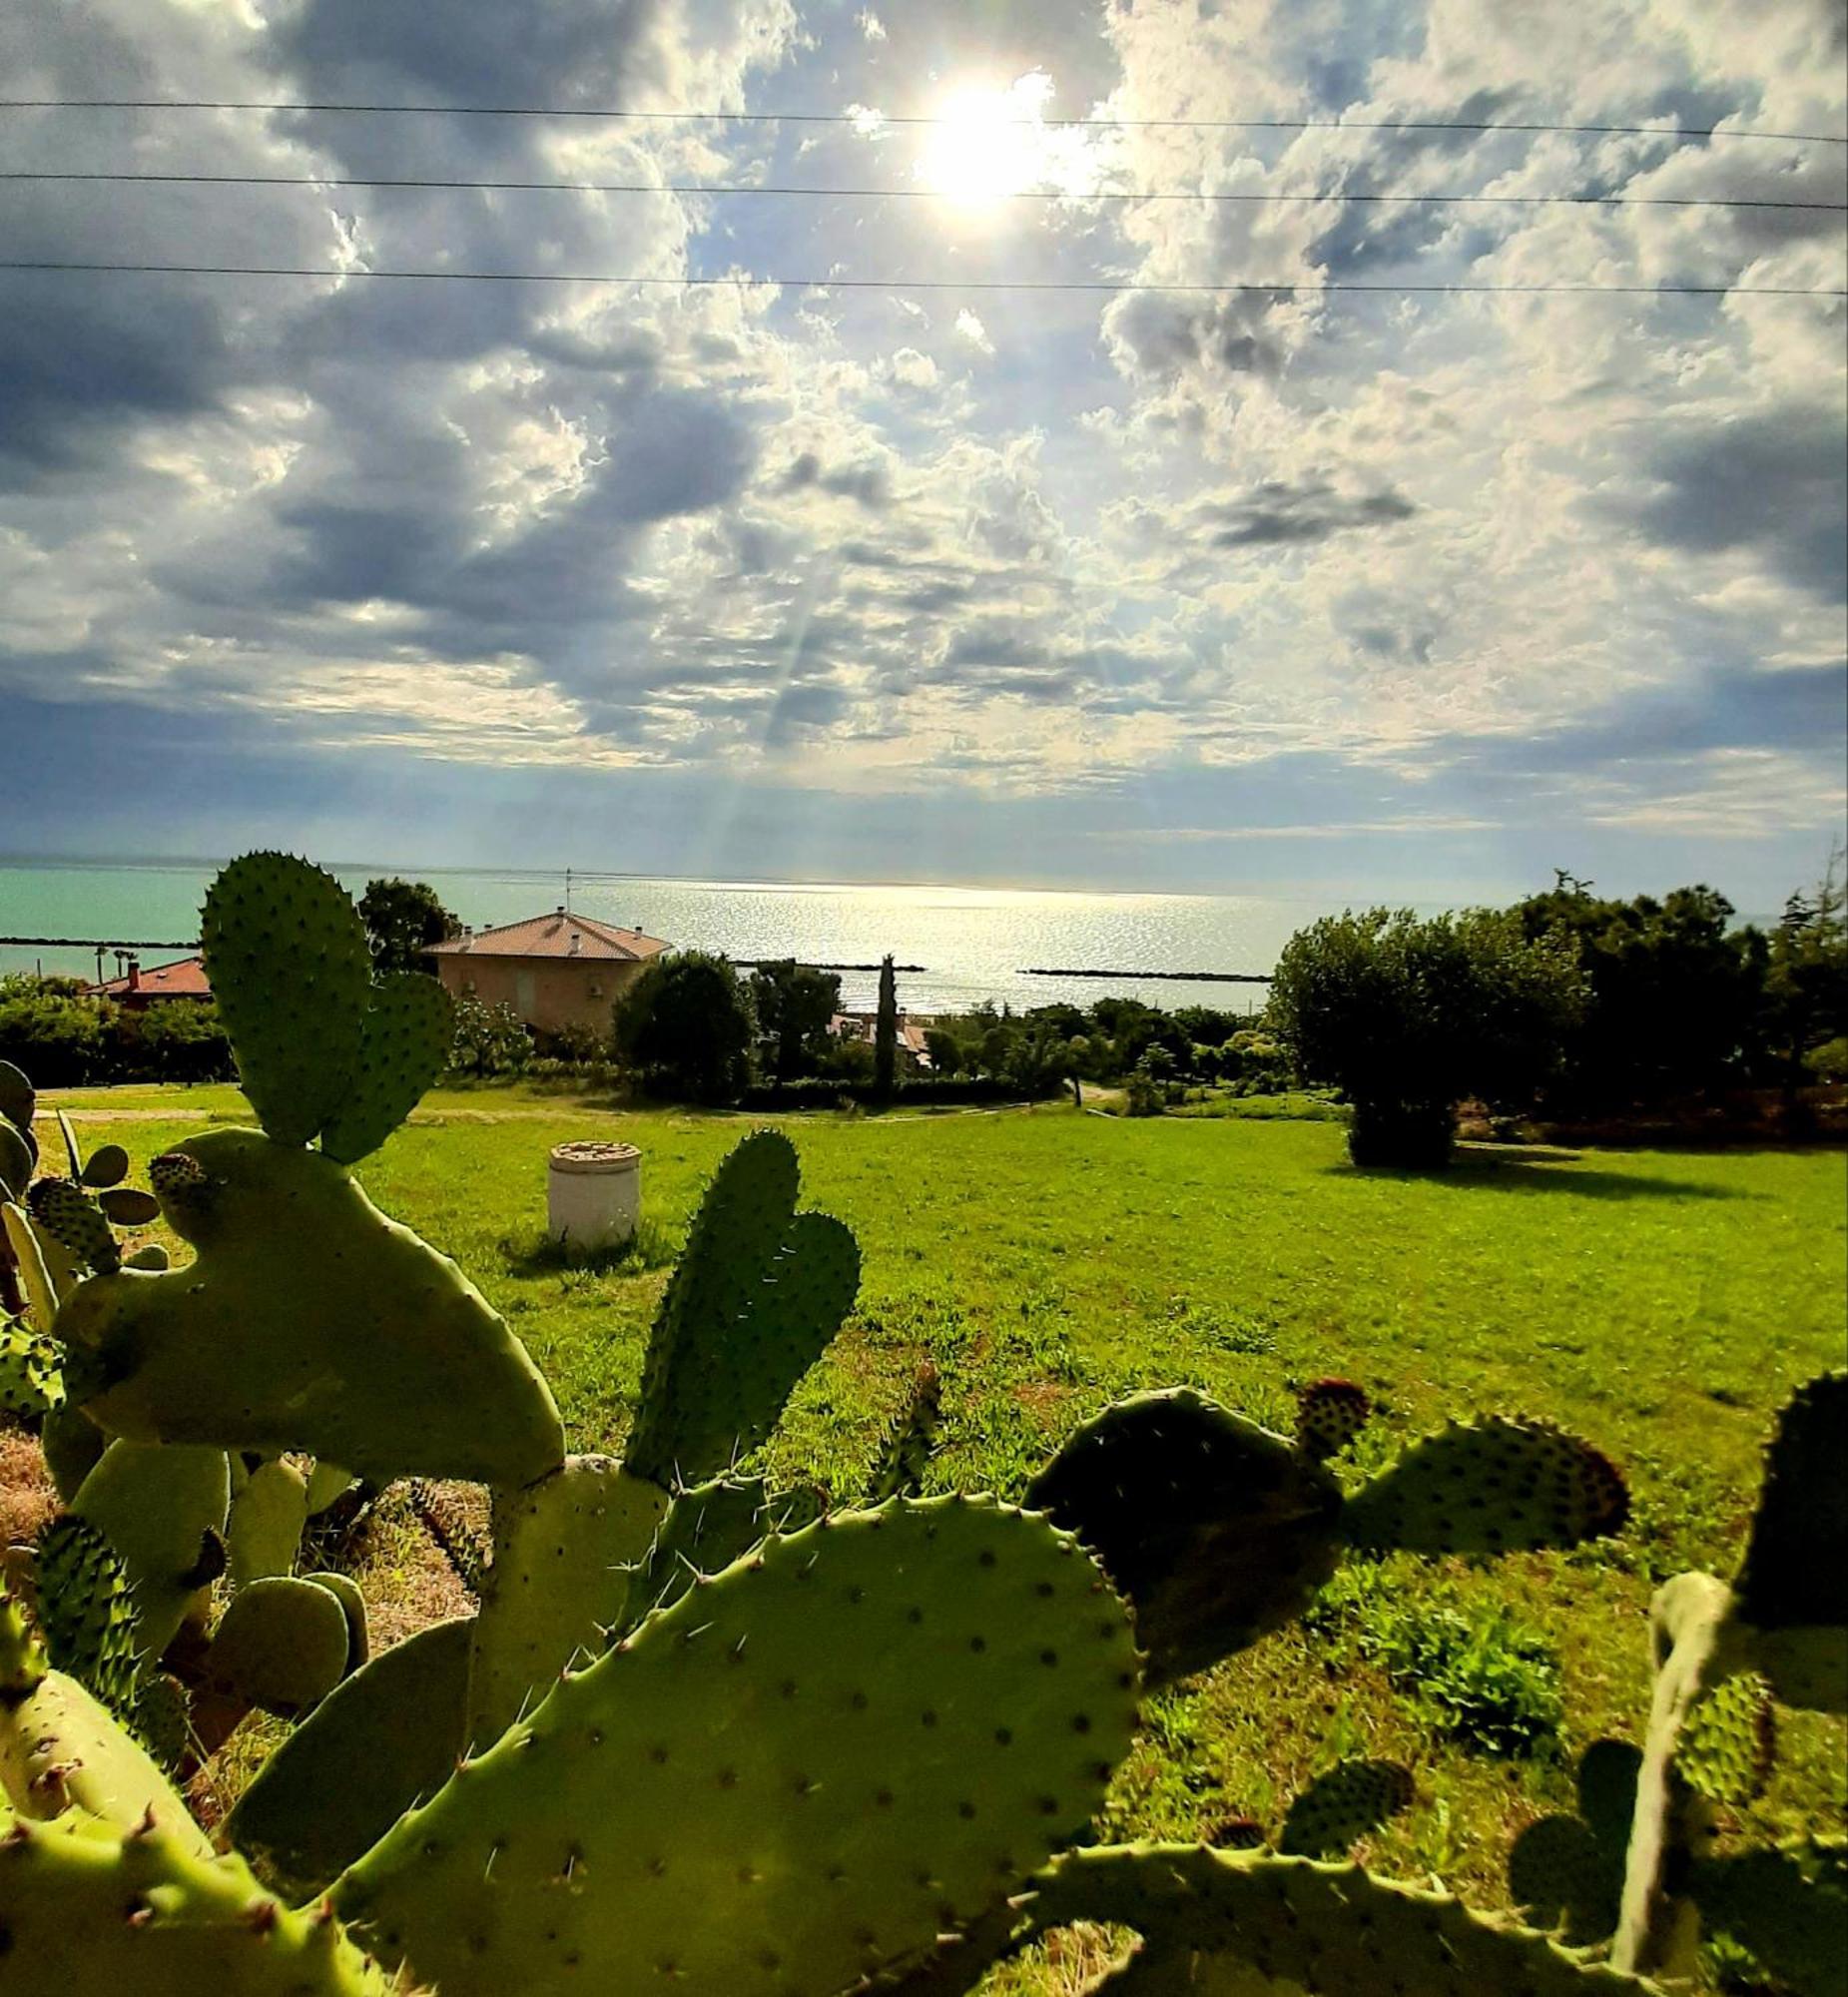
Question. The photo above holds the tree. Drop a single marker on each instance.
(684, 1028)
(403, 918)
(1806, 977)
(489, 1039)
(1408, 1017)
(794, 1006)
(885, 1036)
(1674, 994)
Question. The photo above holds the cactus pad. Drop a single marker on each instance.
(1491, 1487)
(31, 1371)
(268, 1516)
(1249, 1922)
(409, 1029)
(562, 1550)
(156, 1508)
(1795, 1570)
(1343, 1806)
(756, 1296)
(72, 1442)
(281, 1645)
(800, 1773)
(347, 1592)
(1329, 1415)
(74, 1220)
(386, 1738)
(85, 1908)
(1217, 1530)
(35, 1277)
(286, 954)
(1728, 1740)
(16, 1161)
(87, 1612)
(60, 1748)
(903, 1453)
(308, 1321)
(106, 1165)
(129, 1206)
(705, 1530)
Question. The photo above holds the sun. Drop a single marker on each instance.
(989, 144)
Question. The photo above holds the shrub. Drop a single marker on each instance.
(489, 1039)
(575, 1045)
(1406, 1016)
(1144, 1094)
(1829, 1063)
(684, 1029)
(1477, 1671)
(178, 1039)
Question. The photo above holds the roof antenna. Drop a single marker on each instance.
(567, 891)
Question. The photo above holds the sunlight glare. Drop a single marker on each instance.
(991, 143)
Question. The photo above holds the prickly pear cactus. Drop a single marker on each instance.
(308, 1321)
(1249, 1923)
(562, 1550)
(281, 1645)
(1217, 1530)
(74, 1220)
(799, 1774)
(90, 1907)
(757, 1295)
(160, 1510)
(378, 1745)
(408, 1031)
(268, 1516)
(1341, 1806)
(1788, 1905)
(1492, 1487)
(286, 952)
(87, 1612)
(31, 1371)
(705, 1530)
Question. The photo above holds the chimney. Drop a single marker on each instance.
(577, 943)
(134, 973)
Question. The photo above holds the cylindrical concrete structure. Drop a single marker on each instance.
(593, 1194)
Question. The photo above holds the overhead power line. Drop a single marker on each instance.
(870, 119)
(832, 284)
(733, 188)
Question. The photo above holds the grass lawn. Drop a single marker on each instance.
(1662, 1304)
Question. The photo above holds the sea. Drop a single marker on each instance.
(968, 944)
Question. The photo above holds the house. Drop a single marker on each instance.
(912, 1048)
(556, 971)
(183, 978)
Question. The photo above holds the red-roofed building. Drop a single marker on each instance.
(184, 979)
(561, 970)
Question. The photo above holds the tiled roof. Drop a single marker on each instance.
(185, 979)
(550, 935)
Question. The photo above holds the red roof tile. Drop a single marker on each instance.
(185, 979)
(551, 935)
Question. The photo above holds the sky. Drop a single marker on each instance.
(897, 570)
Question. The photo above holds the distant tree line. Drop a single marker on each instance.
(1568, 1004)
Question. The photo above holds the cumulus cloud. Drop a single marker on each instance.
(1156, 537)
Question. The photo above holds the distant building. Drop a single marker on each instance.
(912, 1048)
(561, 970)
(183, 978)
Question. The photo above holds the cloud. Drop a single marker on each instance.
(1258, 558)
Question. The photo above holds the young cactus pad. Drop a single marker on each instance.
(93, 1907)
(1247, 1922)
(1217, 1530)
(308, 1321)
(757, 1295)
(160, 1510)
(801, 1773)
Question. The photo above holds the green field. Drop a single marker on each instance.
(1049, 1260)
